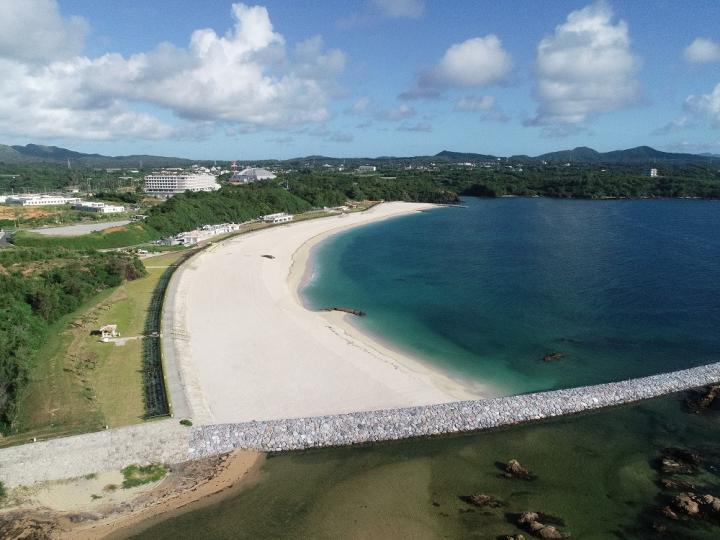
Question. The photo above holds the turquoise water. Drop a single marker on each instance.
(622, 288)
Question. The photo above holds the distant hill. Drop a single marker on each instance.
(641, 155)
(35, 153)
(463, 156)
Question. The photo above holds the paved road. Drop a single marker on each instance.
(81, 228)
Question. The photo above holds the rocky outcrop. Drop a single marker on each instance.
(536, 524)
(513, 469)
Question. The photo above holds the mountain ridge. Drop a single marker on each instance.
(645, 155)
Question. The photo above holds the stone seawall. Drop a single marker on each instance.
(168, 442)
(463, 416)
(162, 441)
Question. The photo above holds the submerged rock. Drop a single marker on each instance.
(676, 485)
(351, 311)
(513, 469)
(482, 500)
(669, 513)
(699, 400)
(679, 461)
(553, 357)
(533, 522)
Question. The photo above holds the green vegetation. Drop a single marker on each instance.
(114, 237)
(187, 211)
(3, 491)
(37, 288)
(79, 384)
(136, 475)
(186, 422)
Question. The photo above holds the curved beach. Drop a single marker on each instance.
(247, 349)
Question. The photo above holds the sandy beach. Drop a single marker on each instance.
(247, 349)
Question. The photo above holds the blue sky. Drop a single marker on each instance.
(221, 80)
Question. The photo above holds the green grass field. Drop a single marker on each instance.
(115, 237)
(80, 384)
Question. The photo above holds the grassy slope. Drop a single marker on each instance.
(115, 237)
(66, 393)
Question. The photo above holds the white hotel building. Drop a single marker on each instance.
(166, 184)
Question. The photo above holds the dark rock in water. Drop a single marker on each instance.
(351, 311)
(268, 256)
(668, 513)
(687, 503)
(513, 469)
(554, 357)
(711, 504)
(679, 461)
(482, 500)
(702, 399)
(676, 485)
(536, 524)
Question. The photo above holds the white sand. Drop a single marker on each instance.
(248, 350)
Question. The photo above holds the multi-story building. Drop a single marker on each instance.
(100, 207)
(41, 200)
(251, 174)
(167, 184)
(280, 217)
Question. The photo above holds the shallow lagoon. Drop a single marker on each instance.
(596, 471)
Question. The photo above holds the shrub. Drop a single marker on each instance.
(186, 422)
(137, 475)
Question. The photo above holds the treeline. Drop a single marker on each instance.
(187, 211)
(38, 287)
(584, 182)
(328, 189)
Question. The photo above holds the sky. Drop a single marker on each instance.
(215, 79)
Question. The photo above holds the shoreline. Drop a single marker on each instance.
(301, 271)
(248, 349)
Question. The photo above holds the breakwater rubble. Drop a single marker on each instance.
(463, 416)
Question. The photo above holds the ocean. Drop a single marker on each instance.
(614, 289)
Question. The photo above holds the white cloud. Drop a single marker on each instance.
(361, 106)
(396, 9)
(586, 67)
(707, 105)
(395, 114)
(475, 104)
(475, 62)
(702, 51)
(678, 124)
(423, 127)
(34, 31)
(245, 77)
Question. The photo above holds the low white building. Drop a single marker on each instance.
(251, 174)
(366, 168)
(280, 217)
(100, 207)
(41, 200)
(169, 183)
